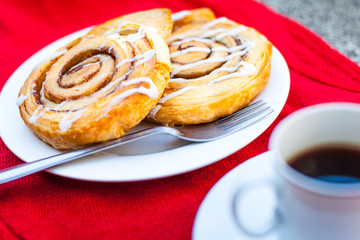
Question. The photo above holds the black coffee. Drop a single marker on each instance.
(340, 163)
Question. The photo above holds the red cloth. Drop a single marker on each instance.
(44, 206)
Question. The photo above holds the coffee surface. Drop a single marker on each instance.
(333, 163)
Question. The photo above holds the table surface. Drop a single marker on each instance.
(336, 21)
(38, 206)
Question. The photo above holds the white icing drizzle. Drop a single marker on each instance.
(35, 116)
(146, 57)
(84, 38)
(141, 33)
(179, 15)
(189, 50)
(250, 44)
(213, 32)
(172, 38)
(125, 61)
(66, 123)
(121, 25)
(192, 39)
(232, 32)
(116, 37)
(141, 30)
(111, 84)
(151, 92)
(135, 36)
(222, 69)
(222, 32)
(174, 94)
(227, 69)
(210, 60)
(94, 63)
(107, 33)
(148, 29)
(216, 21)
(154, 111)
(60, 105)
(229, 50)
(100, 76)
(58, 53)
(207, 50)
(246, 70)
(179, 80)
(21, 99)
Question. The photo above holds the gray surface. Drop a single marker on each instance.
(336, 21)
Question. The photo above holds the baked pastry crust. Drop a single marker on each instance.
(195, 16)
(218, 67)
(101, 85)
(159, 19)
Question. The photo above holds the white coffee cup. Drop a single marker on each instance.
(308, 208)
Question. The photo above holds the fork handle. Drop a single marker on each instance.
(21, 170)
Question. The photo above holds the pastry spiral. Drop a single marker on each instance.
(218, 67)
(99, 86)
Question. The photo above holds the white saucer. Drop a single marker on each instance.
(214, 219)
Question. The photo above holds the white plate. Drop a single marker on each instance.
(215, 220)
(149, 159)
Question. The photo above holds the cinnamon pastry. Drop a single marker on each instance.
(218, 67)
(101, 85)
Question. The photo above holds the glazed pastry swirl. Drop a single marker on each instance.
(208, 55)
(96, 88)
(218, 67)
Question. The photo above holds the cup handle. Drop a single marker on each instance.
(276, 220)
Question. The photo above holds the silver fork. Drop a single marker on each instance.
(195, 133)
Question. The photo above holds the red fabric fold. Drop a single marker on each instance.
(44, 206)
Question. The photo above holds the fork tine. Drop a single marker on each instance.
(242, 114)
(243, 111)
(247, 116)
(248, 119)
